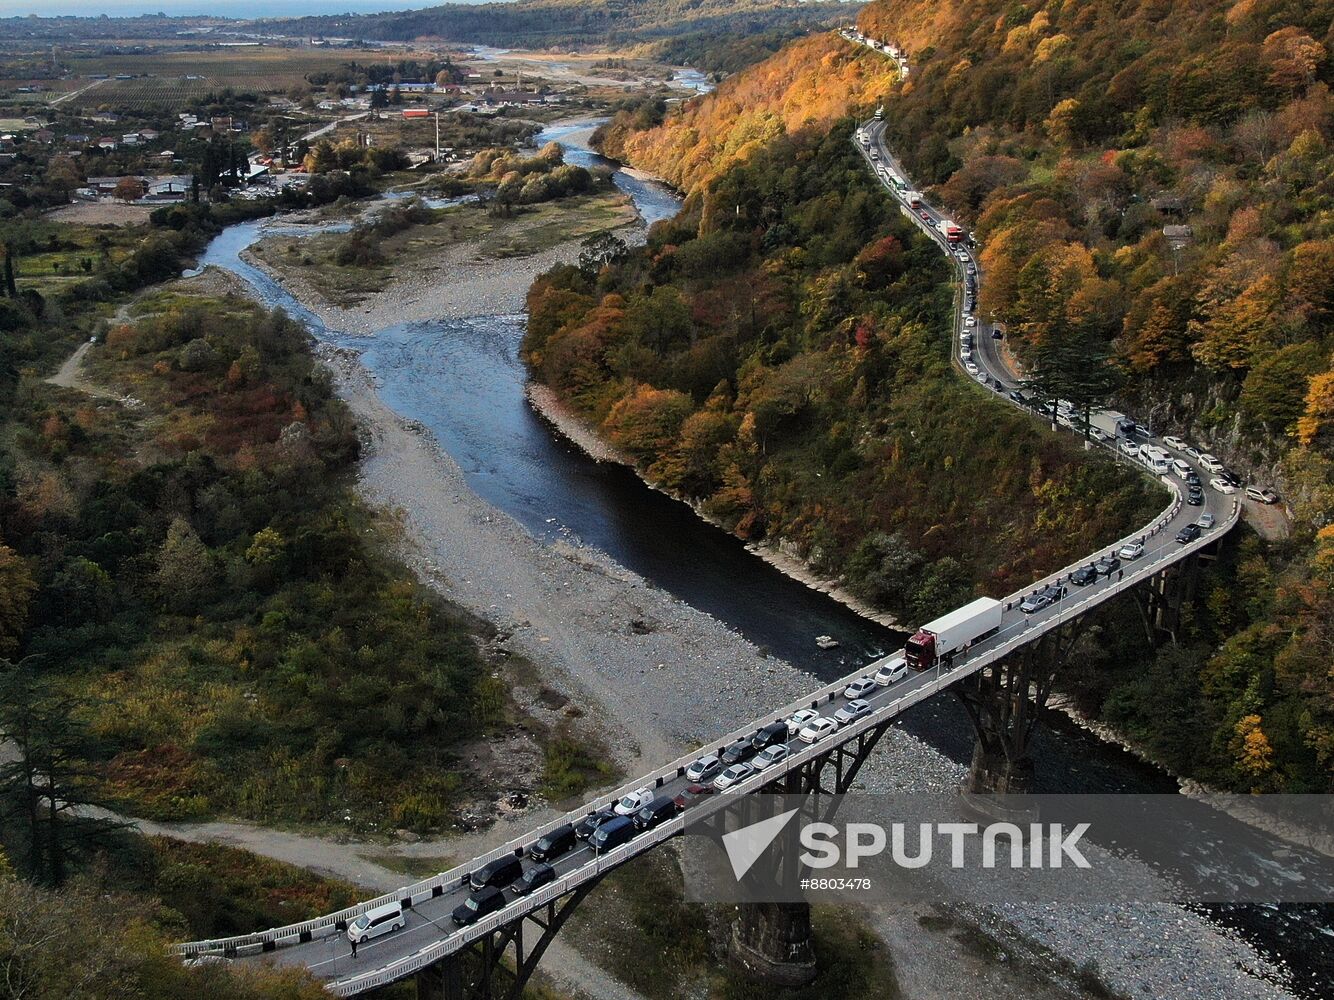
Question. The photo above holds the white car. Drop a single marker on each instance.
(799, 719)
(1210, 463)
(966, 355)
(817, 730)
(1192, 452)
(770, 756)
(1223, 486)
(856, 709)
(1175, 442)
(1096, 434)
(373, 923)
(734, 774)
(970, 322)
(859, 688)
(1131, 550)
(1130, 448)
(635, 801)
(1181, 469)
(1205, 520)
(895, 670)
(972, 368)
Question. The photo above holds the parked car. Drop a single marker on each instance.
(859, 688)
(817, 729)
(1205, 520)
(856, 709)
(661, 808)
(1174, 442)
(478, 905)
(1131, 550)
(553, 843)
(613, 834)
(895, 670)
(500, 872)
(532, 879)
(997, 335)
(1261, 495)
(770, 735)
(1211, 464)
(692, 793)
(1108, 564)
(1222, 485)
(1085, 575)
(733, 775)
(770, 756)
(373, 923)
(634, 801)
(800, 719)
(588, 826)
(1188, 534)
(704, 768)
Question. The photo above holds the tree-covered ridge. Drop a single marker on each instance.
(811, 83)
(779, 354)
(194, 575)
(583, 23)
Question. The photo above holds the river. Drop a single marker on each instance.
(462, 379)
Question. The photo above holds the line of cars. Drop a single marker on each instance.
(640, 810)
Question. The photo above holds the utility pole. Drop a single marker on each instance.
(437, 137)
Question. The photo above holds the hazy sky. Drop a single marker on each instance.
(226, 8)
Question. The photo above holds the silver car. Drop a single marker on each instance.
(852, 711)
(704, 768)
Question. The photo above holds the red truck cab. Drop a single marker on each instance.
(920, 650)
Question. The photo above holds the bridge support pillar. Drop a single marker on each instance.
(442, 981)
(1004, 700)
(771, 943)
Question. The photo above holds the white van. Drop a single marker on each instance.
(1155, 458)
(373, 923)
(1180, 468)
(895, 670)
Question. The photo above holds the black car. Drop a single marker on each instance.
(534, 878)
(736, 752)
(553, 844)
(588, 826)
(1108, 564)
(1231, 478)
(1195, 496)
(1083, 576)
(1192, 479)
(500, 872)
(661, 808)
(1018, 397)
(1188, 534)
(767, 736)
(997, 335)
(478, 905)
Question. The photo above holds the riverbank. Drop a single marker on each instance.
(486, 274)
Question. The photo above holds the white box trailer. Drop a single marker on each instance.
(952, 632)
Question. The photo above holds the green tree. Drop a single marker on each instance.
(17, 588)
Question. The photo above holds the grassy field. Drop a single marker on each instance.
(532, 229)
(262, 68)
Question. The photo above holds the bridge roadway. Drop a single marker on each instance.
(430, 934)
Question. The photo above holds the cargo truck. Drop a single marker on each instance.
(938, 640)
(952, 231)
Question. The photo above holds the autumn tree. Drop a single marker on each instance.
(645, 423)
(17, 588)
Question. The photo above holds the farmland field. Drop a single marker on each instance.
(261, 69)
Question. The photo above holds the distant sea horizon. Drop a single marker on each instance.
(244, 9)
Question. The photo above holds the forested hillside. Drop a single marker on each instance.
(1069, 136)
(779, 354)
(581, 23)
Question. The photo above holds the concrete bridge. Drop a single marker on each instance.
(504, 948)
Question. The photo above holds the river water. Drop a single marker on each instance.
(462, 379)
